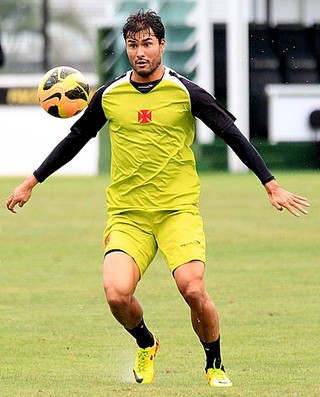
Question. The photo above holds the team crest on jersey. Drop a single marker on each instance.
(144, 116)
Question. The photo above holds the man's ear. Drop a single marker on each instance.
(162, 44)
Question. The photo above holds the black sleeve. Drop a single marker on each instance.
(61, 155)
(246, 153)
(82, 131)
(221, 121)
(205, 107)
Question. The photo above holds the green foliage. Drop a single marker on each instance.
(57, 337)
(20, 15)
(25, 15)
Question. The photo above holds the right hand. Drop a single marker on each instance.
(21, 194)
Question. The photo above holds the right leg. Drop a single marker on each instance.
(120, 278)
(129, 249)
(121, 273)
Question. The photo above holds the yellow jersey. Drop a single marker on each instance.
(152, 166)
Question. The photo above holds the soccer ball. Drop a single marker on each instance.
(63, 92)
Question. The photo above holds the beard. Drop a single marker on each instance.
(147, 70)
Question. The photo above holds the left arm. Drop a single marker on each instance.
(221, 121)
(280, 199)
(247, 153)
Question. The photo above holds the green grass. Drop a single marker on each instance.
(57, 337)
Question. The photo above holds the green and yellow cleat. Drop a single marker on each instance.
(144, 364)
(217, 377)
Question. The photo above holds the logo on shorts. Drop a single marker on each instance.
(107, 240)
(190, 243)
(144, 116)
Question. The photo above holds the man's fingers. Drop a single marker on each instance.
(11, 203)
(292, 207)
(10, 207)
(299, 197)
(302, 202)
(301, 209)
(299, 203)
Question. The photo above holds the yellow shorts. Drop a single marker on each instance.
(179, 236)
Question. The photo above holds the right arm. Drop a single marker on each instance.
(21, 194)
(81, 132)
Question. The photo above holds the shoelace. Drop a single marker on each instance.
(142, 355)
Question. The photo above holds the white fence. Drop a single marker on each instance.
(28, 135)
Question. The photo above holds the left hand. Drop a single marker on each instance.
(281, 198)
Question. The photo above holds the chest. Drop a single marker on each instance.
(162, 109)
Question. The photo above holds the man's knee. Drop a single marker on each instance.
(190, 280)
(193, 291)
(116, 298)
(120, 278)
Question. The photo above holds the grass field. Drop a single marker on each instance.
(57, 337)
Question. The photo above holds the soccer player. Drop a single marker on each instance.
(153, 196)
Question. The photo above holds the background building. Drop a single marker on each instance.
(283, 42)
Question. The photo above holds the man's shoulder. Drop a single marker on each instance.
(188, 84)
(124, 77)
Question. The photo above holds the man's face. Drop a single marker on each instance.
(144, 53)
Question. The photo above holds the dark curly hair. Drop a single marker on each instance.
(144, 20)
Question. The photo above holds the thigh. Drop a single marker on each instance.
(124, 233)
(181, 238)
(120, 274)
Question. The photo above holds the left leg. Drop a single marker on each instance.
(181, 240)
(204, 316)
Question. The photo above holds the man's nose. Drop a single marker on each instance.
(140, 51)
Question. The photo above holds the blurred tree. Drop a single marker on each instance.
(38, 16)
